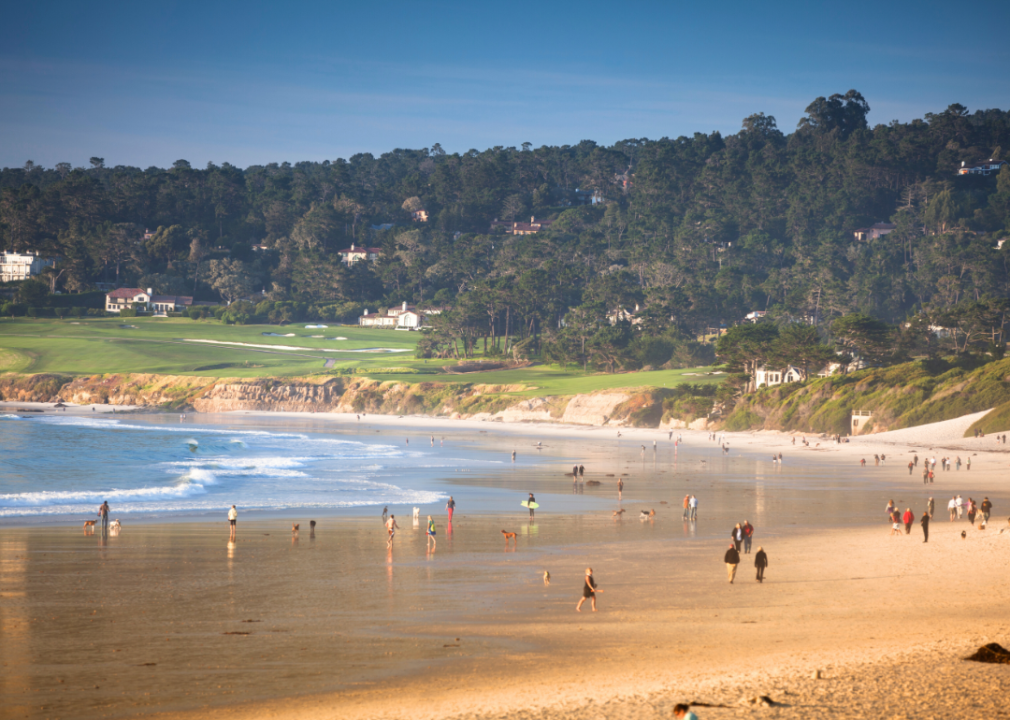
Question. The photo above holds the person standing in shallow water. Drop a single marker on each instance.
(589, 590)
(103, 512)
(450, 506)
(760, 562)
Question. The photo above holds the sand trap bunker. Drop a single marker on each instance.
(317, 327)
(991, 653)
(295, 347)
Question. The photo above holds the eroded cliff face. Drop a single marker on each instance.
(497, 403)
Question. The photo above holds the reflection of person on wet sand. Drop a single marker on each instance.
(589, 590)
(391, 528)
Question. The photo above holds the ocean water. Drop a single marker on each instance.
(55, 465)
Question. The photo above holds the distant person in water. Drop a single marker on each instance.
(513, 456)
(530, 504)
(589, 590)
(391, 528)
(760, 562)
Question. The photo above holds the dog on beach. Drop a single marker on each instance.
(648, 514)
(618, 513)
(547, 578)
(509, 536)
(417, 513)
(116, 526)
(294, 527)
(89, 524)
(963, 534)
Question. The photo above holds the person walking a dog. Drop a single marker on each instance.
(589, 590)
(103, 512)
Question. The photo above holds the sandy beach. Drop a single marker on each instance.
(157, 619)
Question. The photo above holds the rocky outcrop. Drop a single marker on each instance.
(322, 394)
(595, 409)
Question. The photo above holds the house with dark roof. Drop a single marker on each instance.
(981, 168)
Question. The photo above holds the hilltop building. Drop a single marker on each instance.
(22, 266)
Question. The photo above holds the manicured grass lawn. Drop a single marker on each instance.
(89, 346)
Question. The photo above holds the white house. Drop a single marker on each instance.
(768, 377)
(981, 168)
(874, 231)
(144, 301)
(21, 266)
(755, 315)
(403, 317)
(353, 254)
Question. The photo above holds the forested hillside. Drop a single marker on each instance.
(697, 231)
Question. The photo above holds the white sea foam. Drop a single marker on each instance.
(45, 498)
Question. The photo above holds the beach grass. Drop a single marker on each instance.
(89, 346)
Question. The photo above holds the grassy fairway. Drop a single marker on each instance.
(146, 345)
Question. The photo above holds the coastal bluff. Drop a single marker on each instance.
(637, 407)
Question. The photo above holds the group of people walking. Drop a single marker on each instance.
(690, 507)
(956, 507)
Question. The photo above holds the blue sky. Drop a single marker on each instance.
(249, 83)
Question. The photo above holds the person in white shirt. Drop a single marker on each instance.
(952, 509)
(232, 517)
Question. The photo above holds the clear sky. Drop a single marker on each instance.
(142, 83)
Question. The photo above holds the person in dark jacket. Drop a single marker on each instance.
(760, 562)
(732, 559)
(986, 509)
(925, 527)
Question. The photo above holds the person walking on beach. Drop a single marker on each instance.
(748, 536)
(391, 528)
(683, 712)
(431, 533)
(929, 508)
(960, 505)
(908, 518)
(450, 507)
(890, 508)
(737, 535)
(925, 475)
(957, 463)
(232, 517)
(971, 511)
(687, 506)
(385, 512)
(582, 472)
(895, 523)
(910, 467)
(968, 464)
(952, 509)
(694, 507)
(103, 512)
(986, 508)
(589, 590)
(530, 504)
(760, 562)
(924, 521)
(620, 489)
(732, 559)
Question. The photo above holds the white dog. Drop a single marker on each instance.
(417, 513)
(115, 527)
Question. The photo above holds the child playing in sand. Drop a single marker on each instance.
(589, 591)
